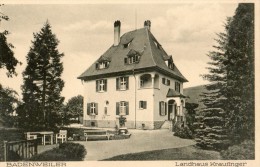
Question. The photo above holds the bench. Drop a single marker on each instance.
(97, 134)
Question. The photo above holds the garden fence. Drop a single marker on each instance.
(20, 150)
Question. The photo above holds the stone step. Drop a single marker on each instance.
(166, 125)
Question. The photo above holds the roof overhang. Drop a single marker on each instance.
(173, 93)
(133, 71)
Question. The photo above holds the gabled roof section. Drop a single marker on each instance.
(133, 52)
(103, 58)
(140, 41)
(173, 93)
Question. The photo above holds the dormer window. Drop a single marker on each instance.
(127, 45)
(102, 65)
(132, 59)
(169, 63)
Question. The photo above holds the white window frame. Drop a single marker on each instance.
(92, 109)
(133, 59)
(101, 85)
(122, 83)
(122, 108)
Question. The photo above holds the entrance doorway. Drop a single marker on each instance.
(171, 109)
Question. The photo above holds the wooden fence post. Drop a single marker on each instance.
(5, 151)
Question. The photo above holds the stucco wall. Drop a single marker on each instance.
(160, 95)
(137, 118)
(112, 96)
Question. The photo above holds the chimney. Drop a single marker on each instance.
(147, 24)
(117, 26)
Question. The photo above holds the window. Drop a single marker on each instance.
(162, 108)
(101, 85)
(92, 108)
(171, 65)
(166, 81)
(132, 59)
(122, 83)
(163, 81)
(177, 86)
(102, 65)
(142, 83)
(127, 44)
(122, 108)
(145, 81)
(142, 104)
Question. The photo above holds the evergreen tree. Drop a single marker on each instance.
(241, 74)
(210, 122)
(229, 112)
(7, 59)
(42, 83)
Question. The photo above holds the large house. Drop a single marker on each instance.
(135, 78)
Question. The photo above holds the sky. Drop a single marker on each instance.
(85, 31)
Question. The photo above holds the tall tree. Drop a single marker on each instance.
(42, 80)
(229, 112)
(241, 74)
(210, 125)
(7, 59)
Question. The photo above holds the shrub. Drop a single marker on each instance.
(75, 151)
(243, 151)
(52, 155)
(183, 132)
(65, 152)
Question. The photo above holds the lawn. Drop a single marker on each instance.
(183, 153)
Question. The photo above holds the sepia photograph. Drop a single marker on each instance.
(170, 83)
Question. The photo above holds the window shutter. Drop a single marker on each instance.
(88, 108)
(117, 108)
(160, 108)
(125, 60)
(117, 83)
(140, 104)
(127, 108)
(145, 104)
(127, 81)
(165, 108)
(105, 85)
(97, 85)
(96, 108)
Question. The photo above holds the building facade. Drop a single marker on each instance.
(135, 78)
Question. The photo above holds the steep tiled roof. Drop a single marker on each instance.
(140, 41)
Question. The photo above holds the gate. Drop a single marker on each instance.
(20, 150)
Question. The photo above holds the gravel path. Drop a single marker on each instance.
(140, 140)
